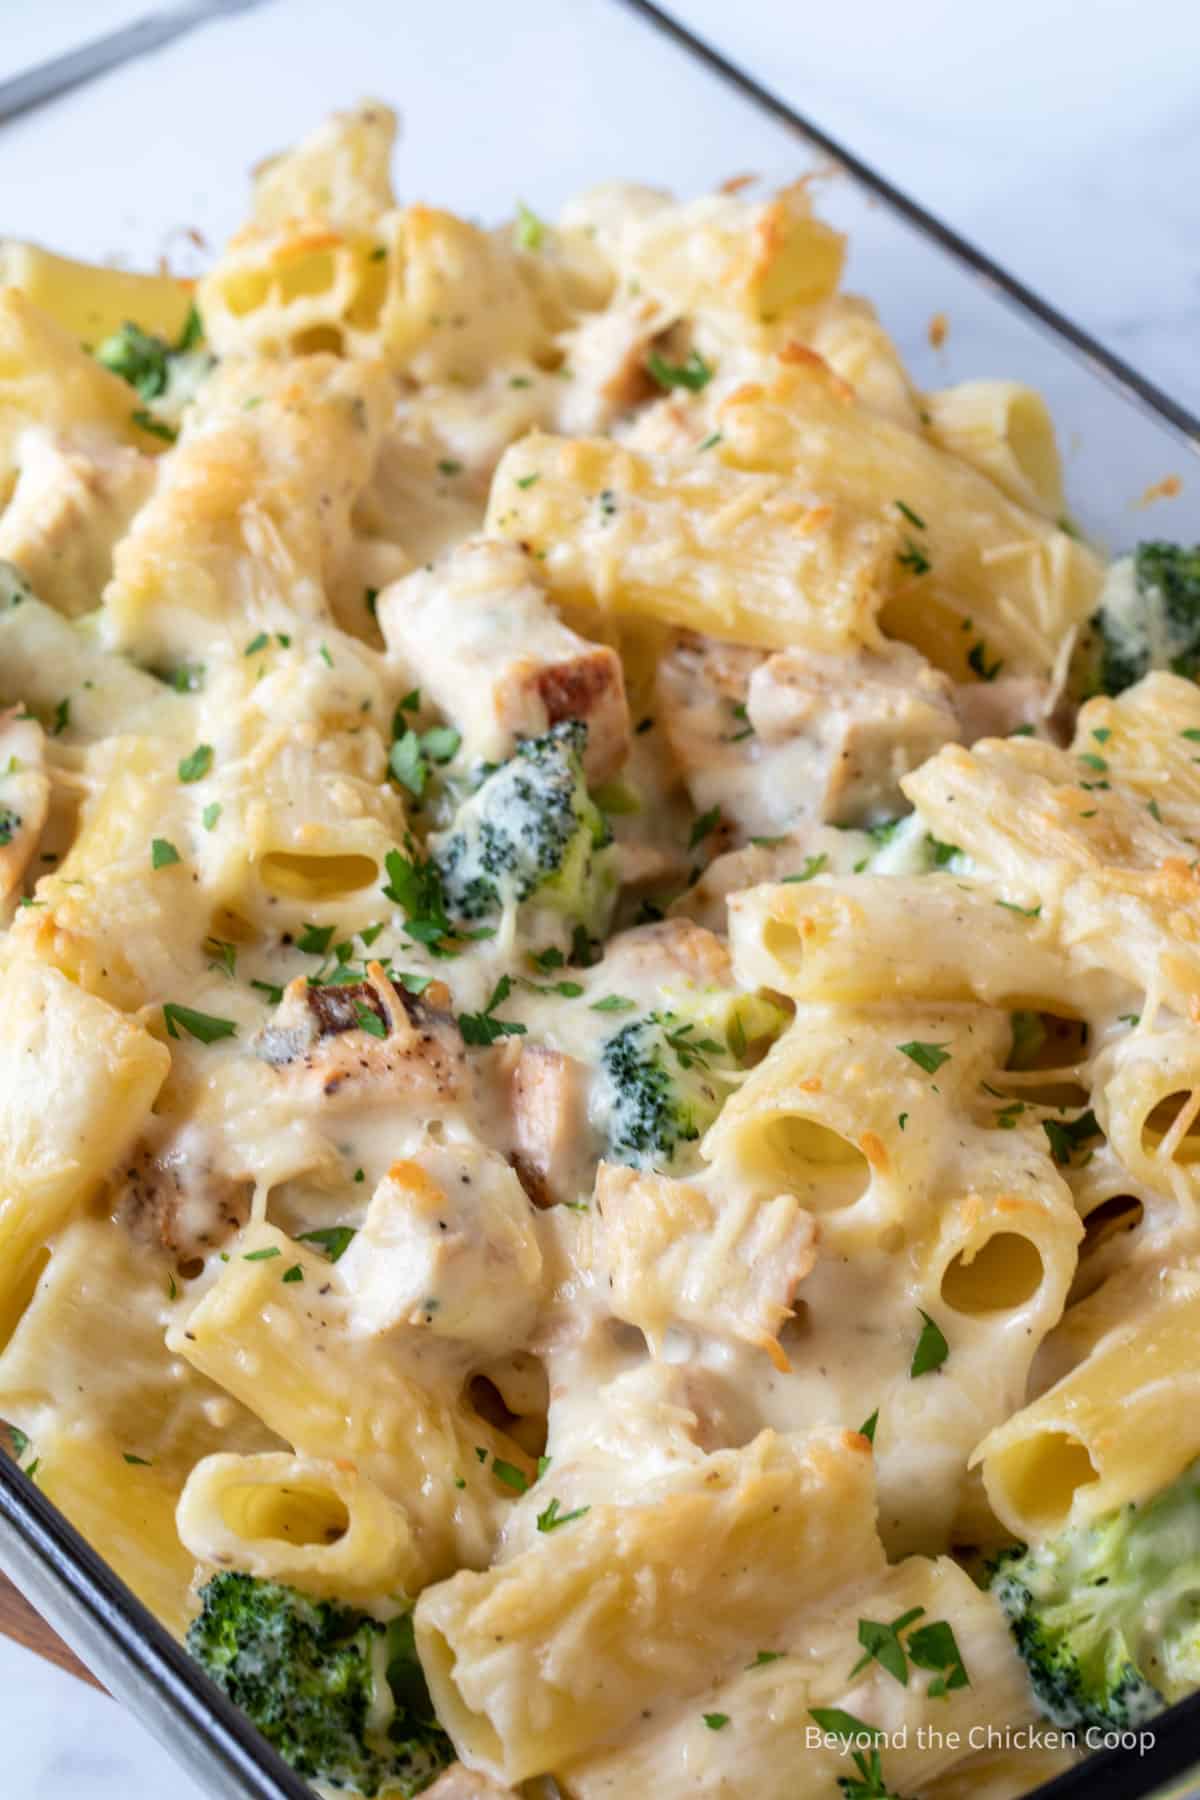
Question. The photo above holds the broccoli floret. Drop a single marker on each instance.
(1148, 618)
(665, 1076)
(305, 1672)
(1107, 1617)
(531, 832)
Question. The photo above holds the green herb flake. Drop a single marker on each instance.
(265, 1255)
(202, 1026)
(1026, 912)
(931, 1351)
(162, 853)
(510, 1475)
(158, 428)
(977, 660)
(332, 1240)
(715, 1721)
(295, 1273)
(706, 823)
(912, 517)
(195, 766)
(867, 1429)
(210, 815)
(551, 1517)
(912, 557)
(257, 643)
(139, 1462)
(529, 232)
(813, 865)
(694, 374)
(929, 1057)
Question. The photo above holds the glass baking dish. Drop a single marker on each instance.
(1131, 462)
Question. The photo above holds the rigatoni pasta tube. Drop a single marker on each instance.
(750, 557)
(285, 1350)
(969, 558)
(1003, 429)
(1117, 1429)
(859, 939)
(542, 1659)
(311, 1522)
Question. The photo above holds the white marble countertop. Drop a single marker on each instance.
(1066, 145)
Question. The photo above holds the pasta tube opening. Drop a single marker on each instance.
(1040, 1476)
(1005, 1272)
(792, 1150)
(295, 877)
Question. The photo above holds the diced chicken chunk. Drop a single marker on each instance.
(24, 796)
(773, 741)
(68, 509)
(480, 639)
(368, 1041)
(678, 1256)
(174, 1197)
(1010, 703)
(665, 957)
(606, 356)
(448, 1246)
(552, 1146)
(853, 724)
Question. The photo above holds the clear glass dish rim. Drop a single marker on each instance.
(80, 1594)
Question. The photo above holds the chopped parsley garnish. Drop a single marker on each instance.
(527, 481)
(314, 940)
(412, 753)
(156, 427)
(1065, 1139)
(139, 1462)
(274, 994)
(931, 1351)
(693, 374)
(62, 717)
(1026, 912)
(162, 853)
(711, 441)
(295, 1273)
(448, 466)
(913, 557)
(867, 1429)
(763, 1657)
(977, 660)
(613, 1003)
(869, 1784)
(333, 1240)
(912, 517)
(211, 814)
(929, 1057)
(265, 1255)
(706, 823)
(529, 232)
(482, 1028)
(369, 1020)
(1094, 762)
(813, 865)
(222, 955)
(551, 1518)
(257, 643)
(510, 1475)
(416, 887)
(932, 1647)
(715, 1721)
(202, 1026)
(196, 765)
